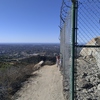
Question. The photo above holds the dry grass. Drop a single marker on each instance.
(11, 79)
(12, 75)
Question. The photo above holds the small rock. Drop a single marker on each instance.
(98, 87)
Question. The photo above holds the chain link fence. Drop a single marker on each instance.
(65, 45)
(86, 46)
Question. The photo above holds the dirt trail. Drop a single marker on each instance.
(46, 85)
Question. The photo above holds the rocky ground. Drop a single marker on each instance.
(87, 79)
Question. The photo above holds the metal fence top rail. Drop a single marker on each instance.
(88, 46)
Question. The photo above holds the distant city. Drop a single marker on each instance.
(16, 51)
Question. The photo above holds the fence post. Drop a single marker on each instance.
(74, 35)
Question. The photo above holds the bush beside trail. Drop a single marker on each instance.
(11, 77)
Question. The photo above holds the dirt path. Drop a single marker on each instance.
(46, 85)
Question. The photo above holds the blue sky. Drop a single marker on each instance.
(29, 21)
(88, 20)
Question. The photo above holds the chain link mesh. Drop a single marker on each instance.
(65, 45)
(87, 49)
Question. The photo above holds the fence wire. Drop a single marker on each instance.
(65, 45)
(88, 20)
(87, 49)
